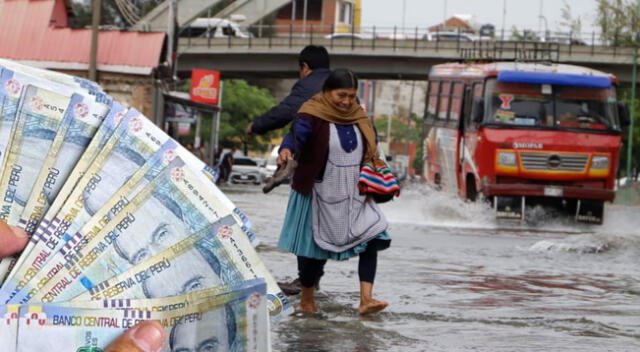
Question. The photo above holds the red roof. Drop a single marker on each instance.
(33, 30)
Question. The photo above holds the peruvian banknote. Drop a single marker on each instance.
(170, 208)
(230, 321)
(36, 250)
(84, 116)
(219, 254)
(39, 116)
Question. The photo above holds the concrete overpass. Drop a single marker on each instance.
(373, 59)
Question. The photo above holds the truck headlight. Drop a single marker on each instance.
(599, 162)
(507, 158)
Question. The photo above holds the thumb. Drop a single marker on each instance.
(12, 239)
(147, 336)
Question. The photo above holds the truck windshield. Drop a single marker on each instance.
(557, 107)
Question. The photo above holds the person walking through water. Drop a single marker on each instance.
(313, 65)
(327, 217)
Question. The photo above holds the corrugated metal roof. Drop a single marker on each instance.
(26, 35)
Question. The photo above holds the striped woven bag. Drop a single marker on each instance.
(377, 181)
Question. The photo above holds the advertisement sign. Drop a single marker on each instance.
(205, 86)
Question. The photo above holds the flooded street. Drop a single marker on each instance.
(457, 280)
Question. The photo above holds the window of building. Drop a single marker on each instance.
(345, 15)
(314, 10)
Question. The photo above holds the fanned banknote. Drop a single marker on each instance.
(38, 118)
(36, 252)
(235, 320)
(164, 212)
(125, 225)
(85, 115)
(219, 254)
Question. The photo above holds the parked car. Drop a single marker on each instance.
(564, 40)
(245, 170)
(450, 37)
(349, 35)
(270, 165)
(213, 28)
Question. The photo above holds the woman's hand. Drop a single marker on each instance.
(147, 336)
(284, 156)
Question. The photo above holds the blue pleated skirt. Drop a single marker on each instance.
(297, 233)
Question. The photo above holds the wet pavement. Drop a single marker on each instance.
(458, 280)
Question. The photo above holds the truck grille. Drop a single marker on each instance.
(554, 161)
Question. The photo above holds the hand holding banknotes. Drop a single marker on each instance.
(12, 240)
(147, 336)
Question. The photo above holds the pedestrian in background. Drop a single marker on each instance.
(327, 217)
(226, 163)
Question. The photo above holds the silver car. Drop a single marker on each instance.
(245, 170)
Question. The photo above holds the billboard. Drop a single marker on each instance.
(205, 86)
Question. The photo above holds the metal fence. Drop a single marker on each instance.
(383, 36)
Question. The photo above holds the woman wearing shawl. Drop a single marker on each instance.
(326, 216)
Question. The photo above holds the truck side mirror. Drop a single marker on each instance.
(623, 113)
(478, 110)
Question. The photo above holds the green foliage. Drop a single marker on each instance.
(568, 22)
(401, 131)
(618, 22)
(404, 131)
(110, 14)
(635, 151)
(241, 103)
(525, 35)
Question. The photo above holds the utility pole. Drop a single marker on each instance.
(95, 29)
(504, 17)
(404, 13)
(304, 18)
(171, 35)
(633, 100)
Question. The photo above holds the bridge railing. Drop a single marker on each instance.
(450, 45)
(374, 36)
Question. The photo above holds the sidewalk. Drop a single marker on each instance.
(628, 195)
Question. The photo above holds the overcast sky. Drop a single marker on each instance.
(521, 13)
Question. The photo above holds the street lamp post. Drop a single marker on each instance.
(546, 27)
(633, 101)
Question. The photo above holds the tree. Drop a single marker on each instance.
(618, 21)
(568, 22)
(241, 103)
(525, 35)
(110, 13)
(635, 151)
(405, 132)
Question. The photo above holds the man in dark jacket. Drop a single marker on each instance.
(314, 69)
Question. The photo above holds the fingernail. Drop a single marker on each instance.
(148, 336)
(19, 232)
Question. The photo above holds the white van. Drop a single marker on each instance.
(213, 28)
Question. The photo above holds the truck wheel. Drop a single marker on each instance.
(472, 192)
